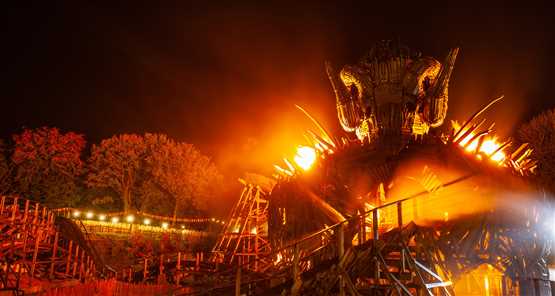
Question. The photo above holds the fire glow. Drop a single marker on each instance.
(480, 144)
(305, 157)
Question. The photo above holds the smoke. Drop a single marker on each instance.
(446, 191)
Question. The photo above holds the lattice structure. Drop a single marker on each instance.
(244, 239)
(33, 247)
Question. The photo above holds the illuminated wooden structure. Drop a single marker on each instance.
(244, 239)
(34, 248)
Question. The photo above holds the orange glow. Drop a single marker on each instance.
(305, 157)
(489, 146)
(279, 257)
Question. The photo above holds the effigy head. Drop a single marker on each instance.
(392, 91)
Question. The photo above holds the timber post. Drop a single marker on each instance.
(14, 209)
(69, 257)
(238, 279)
(340, 253)
(54, 251)
(2, 204)
(178, 276)
(145, 269)
(75, 261)
(35, 252)
(400, 225)
(375, 236)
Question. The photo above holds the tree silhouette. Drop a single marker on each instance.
(181, 171)
(47, 164)
(151, 170)
(116, 164)
(540, 134)
(5, 170)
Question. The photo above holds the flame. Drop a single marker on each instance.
(305, 157)
(488, 146)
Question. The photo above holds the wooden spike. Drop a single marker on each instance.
(469, 120)
(518, 150)
(318, 125)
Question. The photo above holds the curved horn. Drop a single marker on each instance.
(439, 99)
(348, 111)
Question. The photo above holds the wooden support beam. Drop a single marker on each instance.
(161, 268)
(43, 216)
(375, 234)
(54, 252)
(26, 213)
(81, 265)
(35, 252)
(69, 257)
(340, 254)
(14, 209)
(238, 279)
(36, 212)
(75, 261)
(145, 269)
(2, 203)
(178, 277)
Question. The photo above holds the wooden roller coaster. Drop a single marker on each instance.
(36, 245)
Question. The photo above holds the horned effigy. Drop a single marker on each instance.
(400, 204)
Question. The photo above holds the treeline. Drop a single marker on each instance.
(129, 172)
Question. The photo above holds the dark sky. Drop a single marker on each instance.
(226, 77)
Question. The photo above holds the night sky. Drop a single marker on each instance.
(226, 77)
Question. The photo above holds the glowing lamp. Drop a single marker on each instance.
(130, 218)
(146, 221)
(305, 157)
(89, 215)
(115, 219)
(101, 217)
(76, 214)
(165, 225)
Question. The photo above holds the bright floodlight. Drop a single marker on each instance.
(130, 218)
(164, 225)
(76, 214)
(305, 157)
(146, 221)
(101, 217)
(89, 215)
(115, 219)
